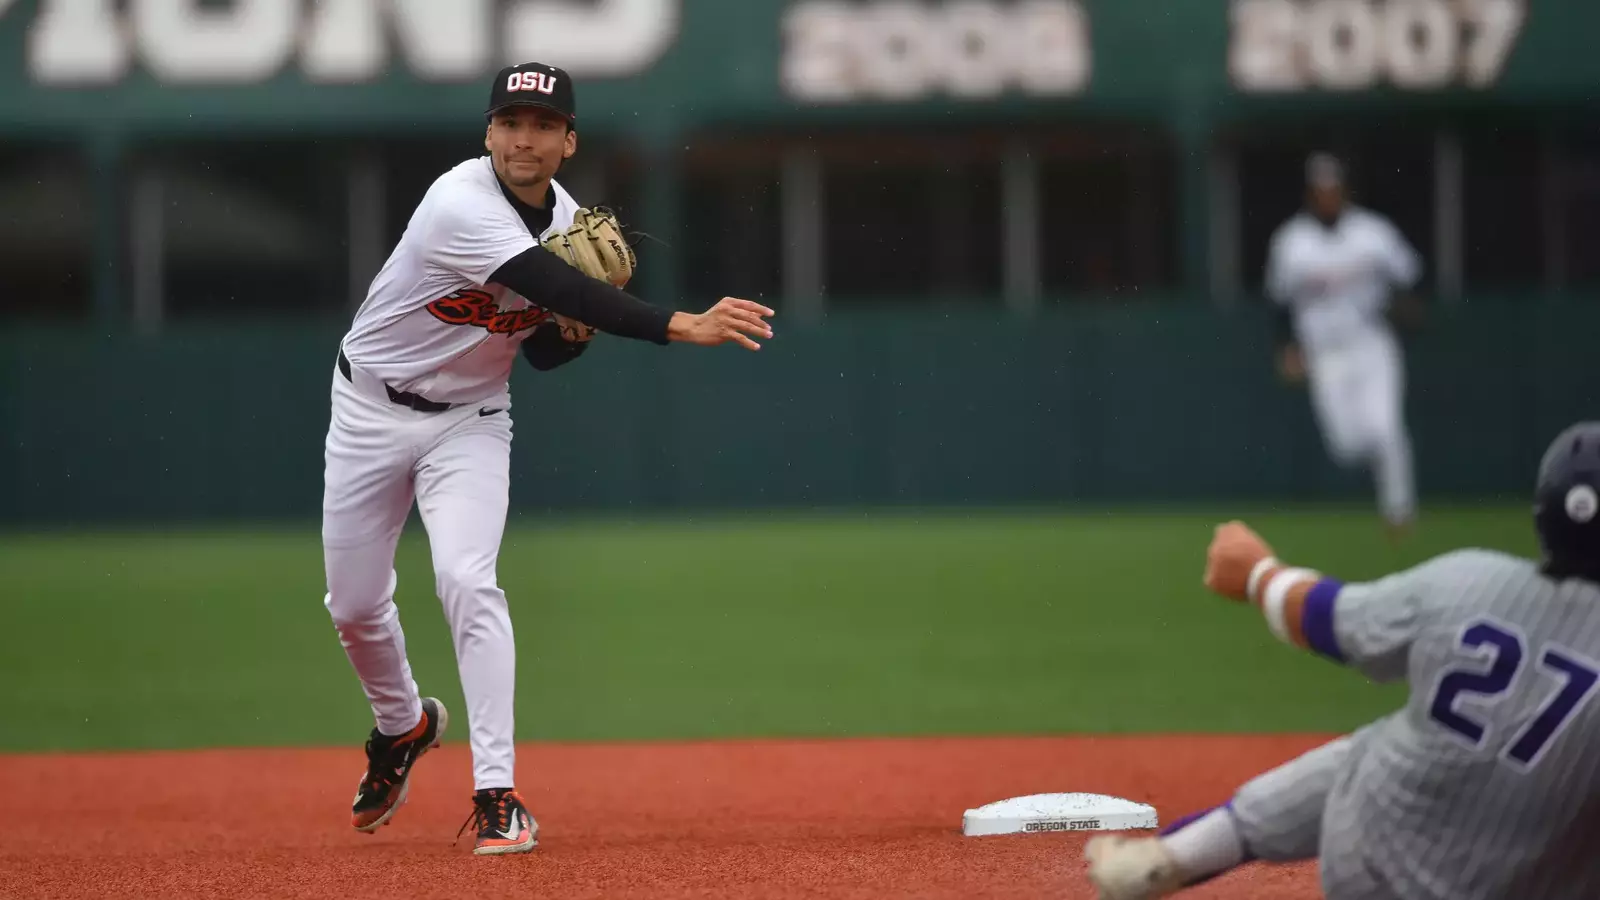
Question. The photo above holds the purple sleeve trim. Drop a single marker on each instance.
(1317, 619)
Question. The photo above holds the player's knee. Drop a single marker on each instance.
(1391, 438)
(359, 610)
(360, 599)
(464, 579)
(1274, 827)
(473, 604)
(1346, 450)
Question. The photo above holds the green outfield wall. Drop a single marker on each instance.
(1162, 402)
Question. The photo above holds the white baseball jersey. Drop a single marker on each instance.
(431, 324)
(1336, 280)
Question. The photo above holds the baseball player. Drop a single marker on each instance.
(1331, 272)
(497, 260)
(1483, 786)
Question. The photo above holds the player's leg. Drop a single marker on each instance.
(1335, 403)
(1279, 813)
(1276, 817)
(366, 497)
(1383, 409)
(462, 492)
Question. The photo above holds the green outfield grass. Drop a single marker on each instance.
(864, 624)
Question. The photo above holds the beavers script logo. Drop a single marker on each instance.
(473, 307)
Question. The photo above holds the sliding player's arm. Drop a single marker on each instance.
(1369, 625)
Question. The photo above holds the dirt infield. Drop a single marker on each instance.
(855, 818)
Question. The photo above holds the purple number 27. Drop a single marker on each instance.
(1506, 653)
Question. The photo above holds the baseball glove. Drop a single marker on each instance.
(594, 244)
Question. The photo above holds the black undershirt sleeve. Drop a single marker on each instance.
(548, 281)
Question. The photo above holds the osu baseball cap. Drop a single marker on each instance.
(533, 84)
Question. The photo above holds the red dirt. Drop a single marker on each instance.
(856, 818)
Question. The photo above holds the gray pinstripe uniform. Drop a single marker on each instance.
(1486, 785)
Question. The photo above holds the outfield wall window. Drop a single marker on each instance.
(910, 218)
(46, 234)
(1576, 153)
(222, 231)
(731, 241)
(1505, 232)
(1107, 214)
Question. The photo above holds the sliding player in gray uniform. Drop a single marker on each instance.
(1484, 786)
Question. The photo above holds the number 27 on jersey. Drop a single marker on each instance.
(1573, 680)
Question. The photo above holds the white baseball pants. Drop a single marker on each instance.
(381, 457)
(1358, 395)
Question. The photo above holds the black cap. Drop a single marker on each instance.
(533, 84)
(1566, 504)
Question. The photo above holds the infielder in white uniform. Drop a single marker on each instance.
(421, 412)
(1332, 270)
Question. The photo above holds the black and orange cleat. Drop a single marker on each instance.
(389, 763)
(503, 824)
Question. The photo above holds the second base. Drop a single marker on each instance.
(1040, 813)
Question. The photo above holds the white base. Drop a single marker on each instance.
(1042, 813)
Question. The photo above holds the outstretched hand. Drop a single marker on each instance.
(731, 319)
